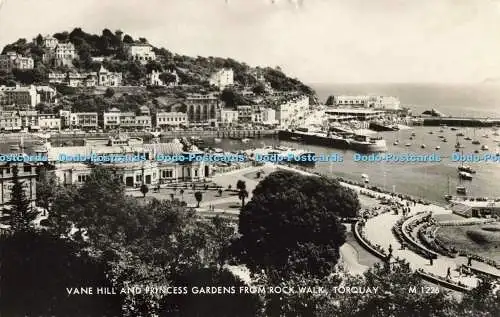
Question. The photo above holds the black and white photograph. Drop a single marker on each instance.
(249, 158)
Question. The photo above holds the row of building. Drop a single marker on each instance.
(195, 110)
(13, 60)
(102, 77)
(374, 102)
(28, 96)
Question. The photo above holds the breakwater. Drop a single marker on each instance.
(462, 121)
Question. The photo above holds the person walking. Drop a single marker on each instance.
(469, 261)
(431, 260)
(448, 273)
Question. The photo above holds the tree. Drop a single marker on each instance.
(482, 301)
(143, 40)
(241, 185)
(128, 39)
(109, 93)
(242, 195)
(392, 297)
(198, 196)
(203, 304)
(287, 202)
(19, 214)
(259, 89)
(167, 78)
(46, 188)
(39, 269)
(330, 101)
(144, 190)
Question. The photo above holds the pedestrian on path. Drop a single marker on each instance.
(448, 273)
(431, 260)
(469, 261)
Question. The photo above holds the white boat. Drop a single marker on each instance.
(465, 175)
(468, 138)
(461, 190)
(423, 146)
(486, 136)
(396, 142)
(408, 144)
(245, 140)
(217, 140)
(438, 147)
(413, 134)
(484, 147)
(467, 169)
(365, 178)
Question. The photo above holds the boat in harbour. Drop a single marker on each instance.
(423, 146)
(245, 140)
(466, 169)
(484, 147)
(468, 138)
(465, 175)
(408, 144)
(217, 140)
(360, 143)
(460, 134)
(461, 190)
(437, 147)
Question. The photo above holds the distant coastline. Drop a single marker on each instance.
(475, 100)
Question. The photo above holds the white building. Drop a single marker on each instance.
(143, 122)
(387, 103)
(12, 60)
(19, 95)
(64, 54)
(142, 53)
(268, 116)
(169, 119)
(49, 122)
(228, 116)
(111, 119)
(376, 102)
(351, 101)
(50, 42)
(84, 120)
(292, 112)
(222, 78)
(154, 79)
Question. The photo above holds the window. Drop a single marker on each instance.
(27, 169)
(82, 178)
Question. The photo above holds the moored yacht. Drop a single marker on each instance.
(484, 147)
(461, 190)
(466, 169)
(465, 175)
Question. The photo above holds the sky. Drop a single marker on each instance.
(317, 41)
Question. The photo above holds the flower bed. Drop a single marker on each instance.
(427, 235)
(465, 222)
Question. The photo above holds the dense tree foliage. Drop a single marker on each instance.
(38, 268)
(19, 214)
(286, 202)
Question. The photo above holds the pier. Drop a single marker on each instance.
(462, 121)
(59, 137)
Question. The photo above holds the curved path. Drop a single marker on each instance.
(350, 260)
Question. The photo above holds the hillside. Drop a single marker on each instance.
(193, 72)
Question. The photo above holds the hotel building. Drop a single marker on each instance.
(222, 78)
